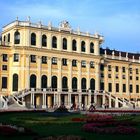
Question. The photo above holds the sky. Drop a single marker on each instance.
(117, 20)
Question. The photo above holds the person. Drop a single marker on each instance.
(133, 106)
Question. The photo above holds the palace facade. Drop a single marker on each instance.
(42, 66)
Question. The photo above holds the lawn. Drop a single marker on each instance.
(48, 124)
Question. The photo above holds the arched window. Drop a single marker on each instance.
(92, 84)
(54, 42)
(83, 84)
(44, 81)
(74, 84)
(64, 43)
(33, 81)
(54, 83)
(33, 39)
(91, 47)
(9, 37)
(17, 37)
(15, 82)
(83, 48)
(74, 45)
(64, 84)
(44, 40)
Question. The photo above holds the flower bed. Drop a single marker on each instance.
(78, 119)
(106, 124)
(106, 129)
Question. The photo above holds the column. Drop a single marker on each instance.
(27, 37)
(105, 78)
(49, 71)
(80, 100)
(95, 99)
(39, 39)
(69, 100)
(103, 97)
(60, 40)
(116, 102)
(59, 75)
(38, 71)
(59, 99)
(22, 73)
(134, 80)
(120, 81)
(54, 99)
(27, 72)
(113, 74)
(43, 99)
(97, 76)
(49, 41)
(87, 46)
(10, 73)
(31, 99)
(69, 44)
(79, 45)
(70, 75)
(79, 75)
(109, 101)
(89, 99)
(96, 47)
(88, 75)
(127, 81)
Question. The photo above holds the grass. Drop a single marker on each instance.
(44, 124)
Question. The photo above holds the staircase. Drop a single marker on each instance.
(125, 103)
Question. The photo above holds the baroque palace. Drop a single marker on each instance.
(43, 66)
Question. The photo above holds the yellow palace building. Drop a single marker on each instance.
(43, 66)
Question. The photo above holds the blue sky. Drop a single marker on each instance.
(117, 20)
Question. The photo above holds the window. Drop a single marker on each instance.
(83, 63)
(109, 67)
(74, 45)
(130, 77)
(4, 67)
(124, 87)
(33, 58)
(117, 69)
(91, 47)
(4, 82)
(123, 76)
(83, 49)
(64, 44)
(54, 61)
(44, 59)
(137, 71)
(9, 37)
(17, 37)
(64, 62)
(74, 63)
(44, 40)
(131, 88)
(15, 82)
(54, 42)
(137, 78)
(102, 67)
(123, 69)
(130, 70)
(109, 75)
(137, 88)
(102, 75)
(117, 87)
(109, 87)
(91, 64)
(33, 39)
(117, 76)
(5, 57)
(16, 57)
